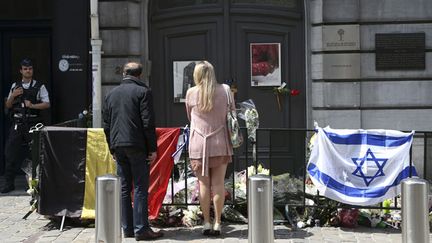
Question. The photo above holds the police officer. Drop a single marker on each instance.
(26, 98)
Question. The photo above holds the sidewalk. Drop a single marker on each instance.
(37, 228)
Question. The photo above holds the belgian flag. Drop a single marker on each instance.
(72, 158)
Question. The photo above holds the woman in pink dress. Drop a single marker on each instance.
(210, 149)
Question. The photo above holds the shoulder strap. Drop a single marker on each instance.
(35, 84)
(227, 90)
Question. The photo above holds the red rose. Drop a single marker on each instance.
(294, 92)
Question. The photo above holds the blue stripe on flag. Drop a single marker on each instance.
(357, 192)
(370, 139)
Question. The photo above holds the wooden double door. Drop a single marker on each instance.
(222, 31)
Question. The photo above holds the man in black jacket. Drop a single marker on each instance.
(130, 132)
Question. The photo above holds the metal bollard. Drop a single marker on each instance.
(260, 209)
(415, 211)
(108, 229)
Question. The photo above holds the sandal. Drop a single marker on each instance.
(206, 230)
(216, 229)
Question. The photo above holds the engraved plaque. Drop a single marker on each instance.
(341, 66)
(400, 51)
(341, 37)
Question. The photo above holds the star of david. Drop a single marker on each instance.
(368, 158)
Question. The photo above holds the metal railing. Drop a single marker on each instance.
(284, 150)
(78, 122)
(83, 120)
(281, 150)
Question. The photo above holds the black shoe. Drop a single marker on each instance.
(149, 235)
(129, 234)
(7, 188)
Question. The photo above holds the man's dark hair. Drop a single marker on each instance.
(133, 69)
(26, 62)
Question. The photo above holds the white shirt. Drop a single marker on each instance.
(42, 94)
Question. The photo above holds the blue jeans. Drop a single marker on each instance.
(132, 167)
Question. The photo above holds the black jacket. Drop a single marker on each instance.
(128, 116)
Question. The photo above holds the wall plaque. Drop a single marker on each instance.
(71, 63)
(341, 66)
(341, 37)
(400, 51)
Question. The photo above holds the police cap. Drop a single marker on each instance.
(26, 62)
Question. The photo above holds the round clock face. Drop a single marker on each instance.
(63, 65)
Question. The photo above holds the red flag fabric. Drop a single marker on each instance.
(160, 170)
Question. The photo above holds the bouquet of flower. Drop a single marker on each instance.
(249, 114)
(261, 170)
(284, 90)
(192, 216)
(33, 184)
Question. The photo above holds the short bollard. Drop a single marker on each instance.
(108, 229)
(415, 211)
(260, 209)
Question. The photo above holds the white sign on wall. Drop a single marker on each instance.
(70, 63)
(341, 66)
(341, 37)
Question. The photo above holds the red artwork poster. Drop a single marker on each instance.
(265, 64)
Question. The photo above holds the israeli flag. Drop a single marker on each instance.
(360, 167)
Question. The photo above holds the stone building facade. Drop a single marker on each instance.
(342, 86)
(362, 96)
(358, 96)
(328, 51)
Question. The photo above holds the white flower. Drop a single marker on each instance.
(252, 122)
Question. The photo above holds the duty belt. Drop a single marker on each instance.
(19, 115)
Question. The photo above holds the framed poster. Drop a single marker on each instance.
(182, 78)
(265, 64)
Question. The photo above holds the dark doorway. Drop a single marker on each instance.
(47, 32)
(14, 46)
(222, 32)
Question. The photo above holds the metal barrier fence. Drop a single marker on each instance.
(281, 151)
(284, 150)
(78, 122)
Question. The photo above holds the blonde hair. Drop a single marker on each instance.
(205, 81)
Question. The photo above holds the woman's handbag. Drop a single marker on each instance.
(234, 132)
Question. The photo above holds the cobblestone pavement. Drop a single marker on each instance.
(37, 228)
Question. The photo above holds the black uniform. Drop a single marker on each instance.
(23, 118)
